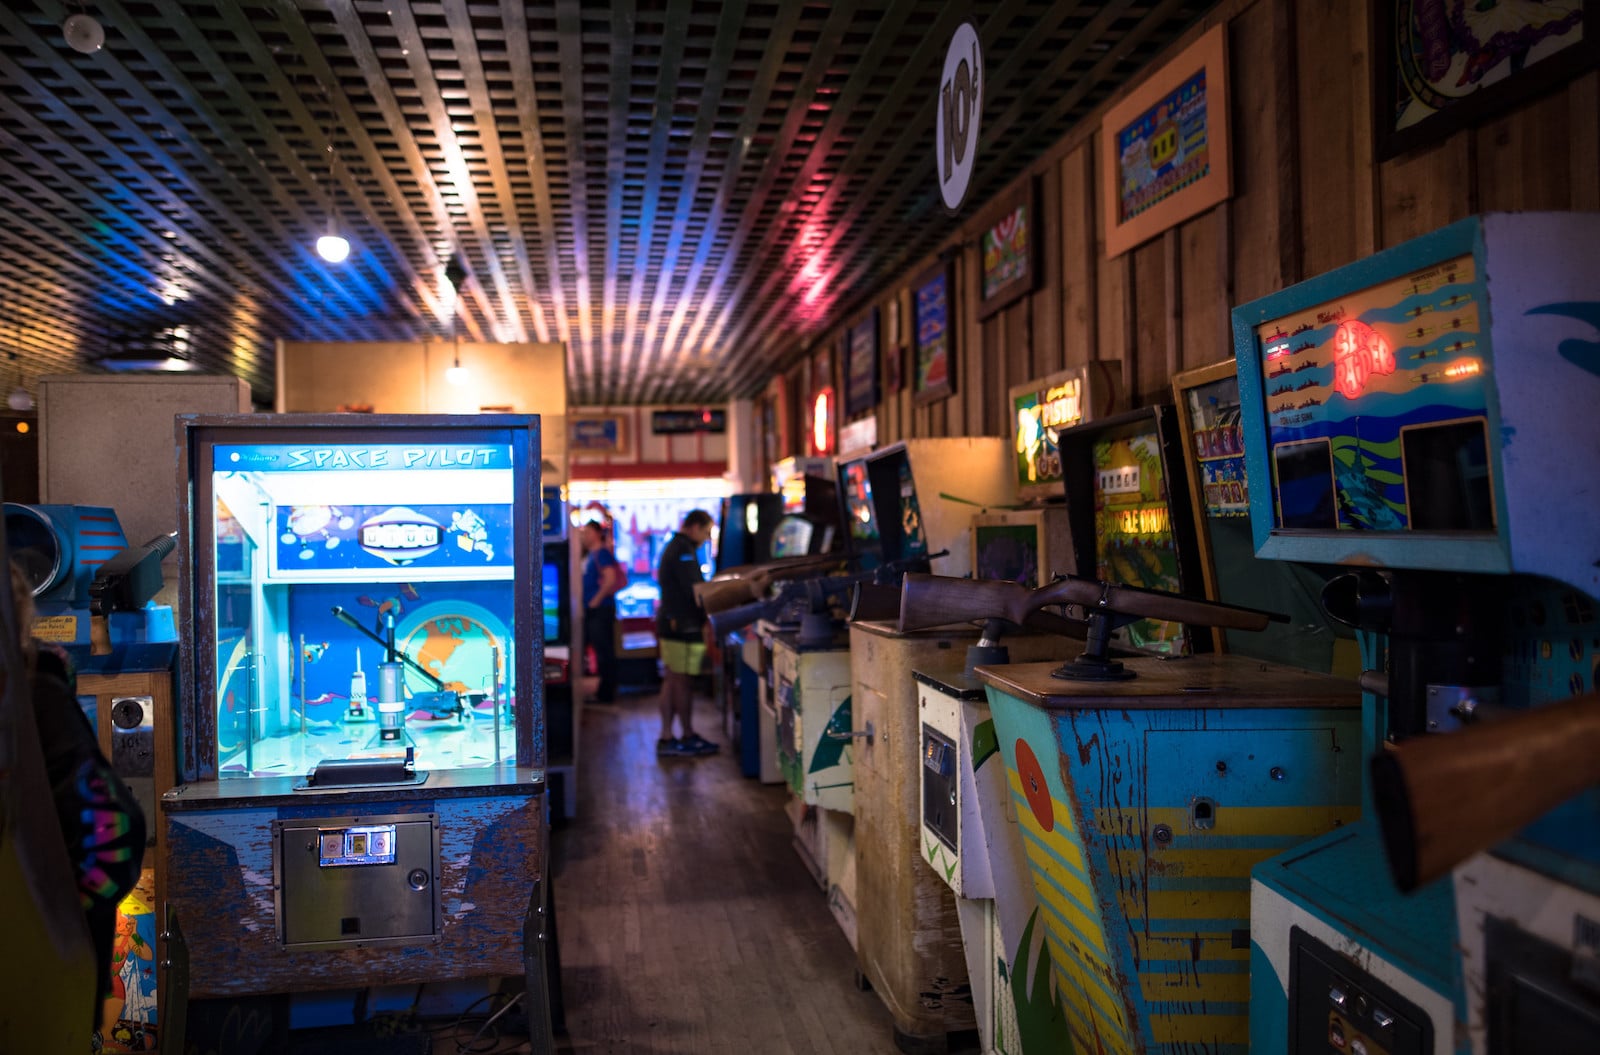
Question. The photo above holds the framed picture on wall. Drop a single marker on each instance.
(1440, 67)
(861, 366)
(1164, 148)
(894, 369)
(933, 376)
(598, 434)
(1008, 252)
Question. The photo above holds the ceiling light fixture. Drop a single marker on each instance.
(457, 374)
(84, 35)
(333, 246)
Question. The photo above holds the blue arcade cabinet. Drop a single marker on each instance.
(1426, 418)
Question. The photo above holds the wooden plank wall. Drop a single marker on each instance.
(1308, 197)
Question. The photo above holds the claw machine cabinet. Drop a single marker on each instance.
(362, 733)
(1426, 418)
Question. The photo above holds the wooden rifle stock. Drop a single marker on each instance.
(933, 600)
(720, 594)
(1441, 799)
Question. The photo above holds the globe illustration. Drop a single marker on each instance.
(455, 641)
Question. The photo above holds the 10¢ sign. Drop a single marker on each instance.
(959, 106)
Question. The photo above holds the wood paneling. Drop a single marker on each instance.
(1309, 196)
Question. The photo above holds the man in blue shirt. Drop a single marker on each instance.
(684, 634)
(602, 578)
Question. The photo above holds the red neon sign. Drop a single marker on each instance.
(822, 422)
(1359, 352)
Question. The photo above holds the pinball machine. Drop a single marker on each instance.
(361, 736)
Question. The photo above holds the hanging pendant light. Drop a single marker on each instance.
(457, 374)
(333, 246)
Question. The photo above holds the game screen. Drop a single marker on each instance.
(1133, 527)
(1376, 405)
(913, 540)
(1310, 640)
(792, 537)
(551, 578)
(318, 550)
(1007, 551)
(858, 503)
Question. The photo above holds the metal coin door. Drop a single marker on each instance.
(357, 881)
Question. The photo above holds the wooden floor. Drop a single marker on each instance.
(688, 924)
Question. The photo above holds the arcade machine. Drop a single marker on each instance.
(810, 496)
(747, 523)
(1146, 788)
(1034, 545)
(92, 597)
(1207, 401)
(1446, 458)
(362, 728)
(923, 494)
(967, 837)
(560, 701)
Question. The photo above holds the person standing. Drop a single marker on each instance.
(602, 578)
(684, 634)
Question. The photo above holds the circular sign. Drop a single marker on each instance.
(956, 114)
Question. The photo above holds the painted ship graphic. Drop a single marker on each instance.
(1281, 371)
(1309, 403)
(1434, 353)
(1282, 390)
(1307, 365)
(1298, 330)
(1311, 383)
(1305, 347)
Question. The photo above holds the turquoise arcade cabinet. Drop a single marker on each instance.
(1444, 451)
(362, 736)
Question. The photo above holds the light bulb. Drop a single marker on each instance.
(457, 374)
(19, 399)
(333, 247)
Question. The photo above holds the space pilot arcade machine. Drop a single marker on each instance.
(362, 733)
(1446, 456)
(561, 712)
(1146, 787)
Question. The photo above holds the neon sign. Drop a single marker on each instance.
(1359, 353)
(822, 422)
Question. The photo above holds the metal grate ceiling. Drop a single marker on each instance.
(680, 190)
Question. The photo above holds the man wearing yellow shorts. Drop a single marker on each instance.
(683, 633)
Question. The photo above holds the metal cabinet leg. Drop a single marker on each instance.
(541, 967)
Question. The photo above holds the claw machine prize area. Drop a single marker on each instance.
(362, 734)
(1426, 419)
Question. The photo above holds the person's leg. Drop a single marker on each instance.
(692, 740)
(605, 653)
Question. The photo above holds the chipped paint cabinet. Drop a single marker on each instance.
(971, 839)
(1143, 805)
(811, 685)
(361, 733)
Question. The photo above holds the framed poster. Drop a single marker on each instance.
(1441, 67)
(933, 331)
(1008, 252)
(1164, 148)
(861, 366)
(598, 434)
